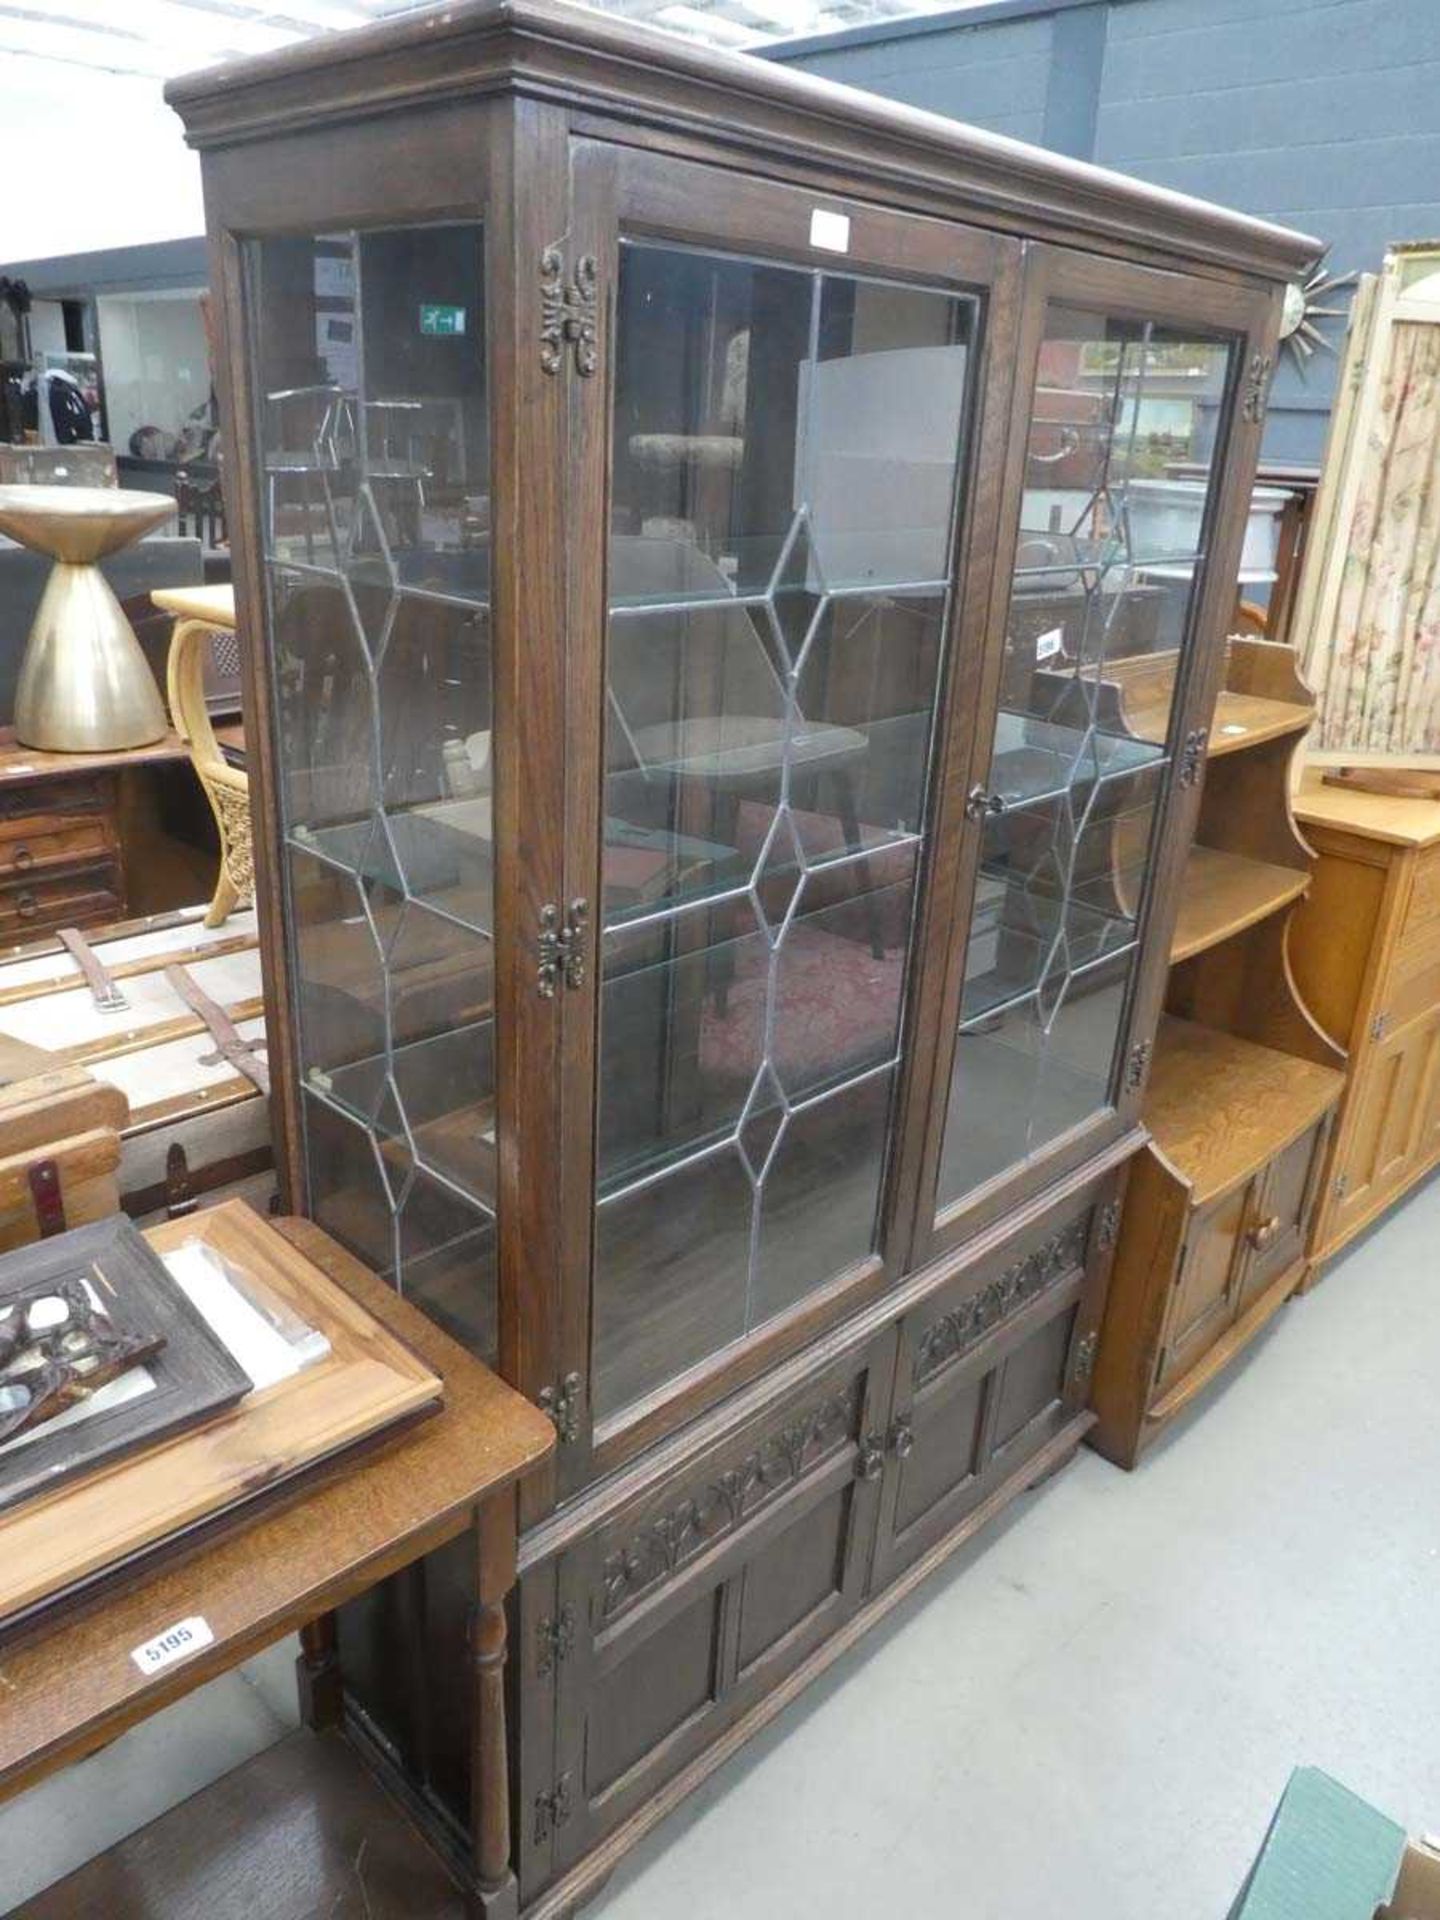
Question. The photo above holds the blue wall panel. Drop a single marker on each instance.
(1319, 113)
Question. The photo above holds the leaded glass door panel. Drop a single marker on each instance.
(372, 427)
(1069, 812)
(788, 432)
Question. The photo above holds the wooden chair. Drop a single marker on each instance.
(201, 612)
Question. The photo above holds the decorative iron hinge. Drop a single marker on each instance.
(560, 949)
(1342, 1185)
(552, 1809)
(1377, 1026)
(1138, 1066)
(1192, 755)
(1108, 1226)
(561, 1406)
(1257, 380)
(1085, 1358)
(981, 804)
(554, 1640)
(568, 313)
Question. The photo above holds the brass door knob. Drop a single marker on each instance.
(870, 1461)
(1260, 1236)
(23, 858)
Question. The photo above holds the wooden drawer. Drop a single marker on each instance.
(26, 805)
(32, 907)
(54, 841)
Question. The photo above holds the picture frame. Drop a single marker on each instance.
(194, 1376)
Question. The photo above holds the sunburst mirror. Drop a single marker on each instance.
(1299, 334)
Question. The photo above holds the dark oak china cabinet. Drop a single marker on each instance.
(690, 517)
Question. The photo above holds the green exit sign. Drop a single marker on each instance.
(442, 319)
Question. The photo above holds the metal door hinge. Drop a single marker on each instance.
(561, 1406)
(870, 1460)
(554, 1640)
(1085, 1358)
(1257, 381)
(1192, 755)
(552, 1809)
(1377, 1026)
(560, 948)
(1108, 1226)
(981, 804)
(1138, 1066)
(568, 313)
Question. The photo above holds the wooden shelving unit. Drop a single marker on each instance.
(1243, 1085)
(1224, 894)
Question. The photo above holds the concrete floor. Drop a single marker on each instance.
(1093, 1711)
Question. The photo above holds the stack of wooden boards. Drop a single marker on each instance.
(137, 1068)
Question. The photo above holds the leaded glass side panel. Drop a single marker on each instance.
(372, 423)
(786, 450)
(1110, 552)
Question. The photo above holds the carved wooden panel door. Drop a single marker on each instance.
(692, 1602)
(991, 1370)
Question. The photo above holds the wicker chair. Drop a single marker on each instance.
(200, 613)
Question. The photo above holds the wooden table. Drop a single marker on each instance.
(278, 1838)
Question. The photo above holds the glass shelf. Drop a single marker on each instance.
(1022, 938)
(1038, 760)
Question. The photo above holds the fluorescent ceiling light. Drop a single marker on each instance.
(78, 46)
(169, 28)
(708, 26)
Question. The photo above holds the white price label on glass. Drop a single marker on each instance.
(1049, 644)
(175, 1643)
(830, 230)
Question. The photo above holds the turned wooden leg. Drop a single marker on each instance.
(496, 1895)
(317, 1671)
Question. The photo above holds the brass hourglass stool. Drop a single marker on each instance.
(84, 684)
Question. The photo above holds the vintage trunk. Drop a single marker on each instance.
(715, 918)
(197, 1123)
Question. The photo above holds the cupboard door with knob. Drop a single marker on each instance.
(993, 1375)
(1275, 1237)
(688, 1605)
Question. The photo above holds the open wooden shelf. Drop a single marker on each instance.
(300, 1830)
(1220, 1107)
(1246, 719)
(1224, 893)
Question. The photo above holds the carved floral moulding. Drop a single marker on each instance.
(665, 1544)
(954, 1333)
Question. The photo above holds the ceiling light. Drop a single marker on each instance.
(708, 26)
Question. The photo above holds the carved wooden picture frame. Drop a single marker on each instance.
(194, 1374)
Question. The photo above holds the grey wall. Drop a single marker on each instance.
(1321, 113)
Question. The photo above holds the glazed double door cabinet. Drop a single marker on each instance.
(715, 918)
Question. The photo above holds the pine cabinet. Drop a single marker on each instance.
(1367, 953)
(716, 915)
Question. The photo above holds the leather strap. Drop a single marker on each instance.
(241, 1055)
(103, 991)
